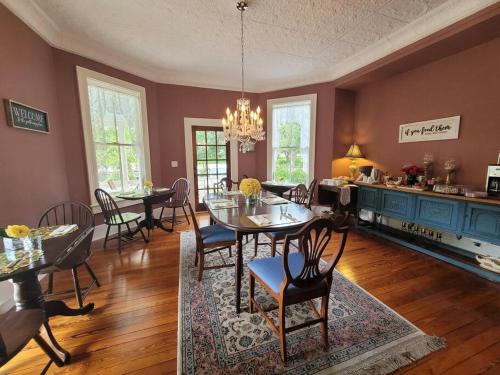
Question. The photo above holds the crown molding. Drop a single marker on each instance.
(439, 18)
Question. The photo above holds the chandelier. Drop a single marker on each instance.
(243, 125)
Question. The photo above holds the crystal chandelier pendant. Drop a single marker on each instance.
(243, 125)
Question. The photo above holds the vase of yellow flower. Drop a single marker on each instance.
(250, 188)
(148, 186)
(17, 237)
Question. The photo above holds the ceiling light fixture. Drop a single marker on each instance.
(243, 125)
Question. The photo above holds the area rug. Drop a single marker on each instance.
(365, 336)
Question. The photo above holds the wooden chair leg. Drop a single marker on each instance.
(140, 230)
(255, 243)
(251, 293)
(281, 322)
(230, 251)
(196, 258)
(161, 213)
(50, 286)
(273, 247)
(119, 239)
(324, 323)
(185, 214)
(173, 219)
(106, 237)
(76, 282)
(92, 274)
(201, 264)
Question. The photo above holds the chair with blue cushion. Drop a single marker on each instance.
(297, 277)
(210, 239)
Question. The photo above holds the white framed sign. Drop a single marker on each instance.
(432, 130)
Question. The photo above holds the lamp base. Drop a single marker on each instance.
(353, 168)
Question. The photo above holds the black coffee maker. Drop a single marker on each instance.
(493, 180)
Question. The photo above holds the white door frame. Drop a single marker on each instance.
(189, 122)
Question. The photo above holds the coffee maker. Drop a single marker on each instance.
(493, 180)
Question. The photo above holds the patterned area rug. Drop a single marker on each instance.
(365, 336)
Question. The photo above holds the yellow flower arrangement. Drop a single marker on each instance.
(148, 184)
(17, 231)
(249, 186)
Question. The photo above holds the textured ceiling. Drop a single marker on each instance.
(288, 42)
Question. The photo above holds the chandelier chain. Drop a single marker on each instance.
(242, 57)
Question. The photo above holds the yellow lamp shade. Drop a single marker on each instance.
(354, 152)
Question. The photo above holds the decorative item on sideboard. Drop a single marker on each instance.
(428, 161)
(450, 167)
(411, 172)
(353, 153)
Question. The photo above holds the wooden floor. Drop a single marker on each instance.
(133, 329)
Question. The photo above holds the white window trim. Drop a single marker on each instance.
(312, 136)
(189, 122)
(82, 75)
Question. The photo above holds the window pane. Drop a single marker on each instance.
(108, 168)
(101, 115)
(220, 138)
(132, 170)
(221, 168)
(211, 152)
(200, 137)
(211, 138)
(212, 167)
(202, 182)
(202, 167)
(201, 195)
(221, 152)
(212, 180)
(127, 118)
(201, 153)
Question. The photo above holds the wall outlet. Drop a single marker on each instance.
(174, 164)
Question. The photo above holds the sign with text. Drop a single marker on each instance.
(432, 130)
(25, 117)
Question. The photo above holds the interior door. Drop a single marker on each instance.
(211, 161)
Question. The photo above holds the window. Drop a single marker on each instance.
(290, 141)
(115, 130)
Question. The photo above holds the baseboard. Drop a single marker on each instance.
(100, 230)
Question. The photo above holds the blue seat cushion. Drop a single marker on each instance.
(272, 273)
(215, 233)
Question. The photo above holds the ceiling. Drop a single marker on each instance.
(195, 42)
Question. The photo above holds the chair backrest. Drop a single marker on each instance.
(298, 194)
(312, 240)
(311, 191)
(199, 242)
(108, 205)
(225, 183)
(182, 187)
(67, 213)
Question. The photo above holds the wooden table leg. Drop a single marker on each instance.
(239, 269)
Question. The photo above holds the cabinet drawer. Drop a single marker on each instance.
(397, 204)
(483, 222)
(439, 213)
(368, 198)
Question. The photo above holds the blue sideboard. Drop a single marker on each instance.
(453, 214)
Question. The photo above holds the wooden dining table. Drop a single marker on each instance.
(28, 291)
(276, 187)
(237, 219)
(149, 198)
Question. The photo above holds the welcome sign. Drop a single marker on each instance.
(25, 117)
(432, 130)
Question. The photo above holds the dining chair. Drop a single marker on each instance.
(297, 277)
(114, 217)
(311, 192)
(298, 194)
(65, 213)
(182, 187)
(17, 328)
(209, 239)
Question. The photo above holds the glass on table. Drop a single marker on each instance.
(284, 209)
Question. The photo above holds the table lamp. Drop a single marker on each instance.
(353, 153)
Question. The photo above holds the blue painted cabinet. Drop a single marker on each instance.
(483, 222)
(398, 204)
(439, 213)
(368, 198)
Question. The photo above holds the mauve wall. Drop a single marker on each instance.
(32, 164)
(324, 126)
(465, 84)
(177, 102)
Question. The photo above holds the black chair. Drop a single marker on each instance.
(225, 183)
(114, 217)
(311, 193)
(17, 328)
(297, 277)
(210, 239)
(180, 199)
(298, 195)
(65, 213)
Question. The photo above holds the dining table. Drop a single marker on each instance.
(149, 198)
(277, 187)
(240, 218)
(50, 252)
